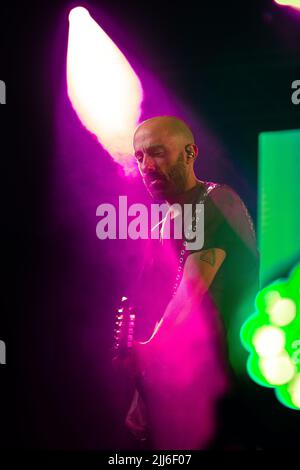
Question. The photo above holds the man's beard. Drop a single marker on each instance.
(174, 182)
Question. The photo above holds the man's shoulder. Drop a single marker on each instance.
(220, 193)
(223, 205)
(221, 198)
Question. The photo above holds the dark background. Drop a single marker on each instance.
(234, 61)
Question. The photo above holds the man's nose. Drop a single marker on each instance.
(148, 164)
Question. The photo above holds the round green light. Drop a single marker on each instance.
(272, 337)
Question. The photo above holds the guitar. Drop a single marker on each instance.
(124, 328)
(122, 345)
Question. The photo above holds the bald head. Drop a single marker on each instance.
(169, 125)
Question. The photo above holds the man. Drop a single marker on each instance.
(198, 298)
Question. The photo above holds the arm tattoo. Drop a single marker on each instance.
(209, 256)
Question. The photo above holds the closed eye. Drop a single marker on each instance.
(152, 153)
(157, 153)
(139, 156)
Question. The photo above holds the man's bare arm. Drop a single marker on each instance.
(199, 272)
(201, 268)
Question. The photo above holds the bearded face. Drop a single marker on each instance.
(161, 163)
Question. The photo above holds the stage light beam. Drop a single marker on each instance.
(289, 3)
(102, 86)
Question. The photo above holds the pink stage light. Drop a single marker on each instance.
(289, 3)
(102, 86)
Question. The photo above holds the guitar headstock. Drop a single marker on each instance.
(124, 327)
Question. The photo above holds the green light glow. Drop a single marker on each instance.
(268, 341)
(278, 203)
(282, 312)
(272, 334)
(272, 337)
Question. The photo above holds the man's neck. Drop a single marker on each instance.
(188, 196)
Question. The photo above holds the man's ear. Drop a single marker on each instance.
(195, 149)
(191, 150)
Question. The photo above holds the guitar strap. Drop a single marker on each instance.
(184, 252)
